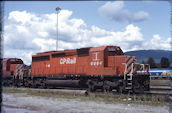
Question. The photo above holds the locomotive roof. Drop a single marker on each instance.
(12, 60)
(45, 52)
(6, 59)
(100, 48)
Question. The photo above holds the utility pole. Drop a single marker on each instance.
(57, 9)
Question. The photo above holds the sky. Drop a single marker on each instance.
(31, 27)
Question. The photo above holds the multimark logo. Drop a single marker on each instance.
(95, 56)
(96, 61)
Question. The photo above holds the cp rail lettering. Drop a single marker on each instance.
(67, 61)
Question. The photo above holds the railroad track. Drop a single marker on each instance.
(163, 87)
(159, 91)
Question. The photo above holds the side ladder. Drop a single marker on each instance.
(128, 77)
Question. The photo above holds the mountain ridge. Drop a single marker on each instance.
(143, 55)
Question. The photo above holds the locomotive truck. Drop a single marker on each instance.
(105, 68)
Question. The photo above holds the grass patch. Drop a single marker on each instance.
(100, 97)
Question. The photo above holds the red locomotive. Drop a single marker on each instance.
(14, 69)
(104, 67)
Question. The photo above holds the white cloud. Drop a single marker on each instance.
(37, 33)
(26, 17)
(115, 11)
(45, 44)
(25, 55)
(158, 42)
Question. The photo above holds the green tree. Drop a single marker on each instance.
(165, 63)
(151, 62)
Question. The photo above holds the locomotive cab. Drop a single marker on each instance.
(12, 67)
(113, 51)
(9, 66)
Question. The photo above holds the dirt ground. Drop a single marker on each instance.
(23, 103)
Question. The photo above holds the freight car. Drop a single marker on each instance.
(104, 67)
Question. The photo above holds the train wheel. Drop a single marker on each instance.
(121, 89)
(106, 88)
(34, 84)
(138, 88)
(43, 84)
(28, 83)
(91, 86)
(141, 89)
